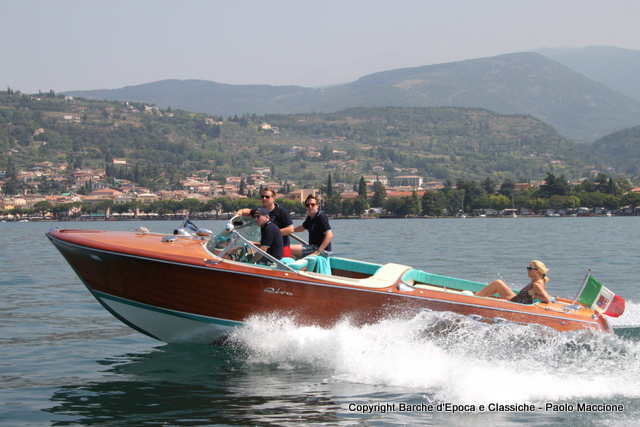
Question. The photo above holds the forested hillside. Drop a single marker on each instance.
(621, 150)
(520, 83)
(161, 146)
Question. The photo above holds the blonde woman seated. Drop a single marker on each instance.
(537, 272)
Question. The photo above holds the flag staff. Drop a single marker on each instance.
(586, 279)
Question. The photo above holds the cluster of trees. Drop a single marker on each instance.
(467, 196)
(555, 193)
(161, 207)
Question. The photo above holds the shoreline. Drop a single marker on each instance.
(301, 218)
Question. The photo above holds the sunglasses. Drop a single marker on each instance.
(532, 268)
(309, 204)
(265, 197)
(257, 216)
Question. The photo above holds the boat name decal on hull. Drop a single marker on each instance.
(277, 291)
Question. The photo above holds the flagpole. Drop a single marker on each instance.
(586, 279)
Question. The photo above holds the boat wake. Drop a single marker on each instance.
(451, 358)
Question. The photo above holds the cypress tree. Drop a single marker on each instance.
(362, 187)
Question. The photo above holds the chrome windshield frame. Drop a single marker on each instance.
(234, 238)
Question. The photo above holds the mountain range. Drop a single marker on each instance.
(560, 87)
(612, 66)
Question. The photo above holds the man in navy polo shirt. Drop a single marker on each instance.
(320, 233)
(279, 216)
(271, 239)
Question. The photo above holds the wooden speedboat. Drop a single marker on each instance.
(191, 286)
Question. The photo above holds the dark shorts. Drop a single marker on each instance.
(309, 249)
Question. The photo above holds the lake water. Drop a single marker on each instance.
(65, 361)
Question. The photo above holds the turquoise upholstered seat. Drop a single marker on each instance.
(308, 263)
(412, 277)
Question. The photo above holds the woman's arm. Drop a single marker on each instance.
(540, 292)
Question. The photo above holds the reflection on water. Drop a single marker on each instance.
(196, 385)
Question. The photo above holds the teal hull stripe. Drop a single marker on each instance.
(195, 317)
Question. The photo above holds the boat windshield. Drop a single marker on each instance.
(234, 243)
(246, 227)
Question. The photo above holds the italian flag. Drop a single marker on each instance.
(599, 298)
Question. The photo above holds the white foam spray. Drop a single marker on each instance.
(452, 358)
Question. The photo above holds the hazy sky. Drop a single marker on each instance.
(84, 44)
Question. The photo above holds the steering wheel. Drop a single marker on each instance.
(239, 254)
(242, 254)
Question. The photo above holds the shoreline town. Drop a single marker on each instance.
(90, 195)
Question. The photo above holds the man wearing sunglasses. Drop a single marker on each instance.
(279, 216)
(271, 237)
(320, 233)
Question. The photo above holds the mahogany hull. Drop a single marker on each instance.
(180, 292)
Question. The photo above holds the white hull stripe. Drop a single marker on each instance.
(166, 325)
(174, 313)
